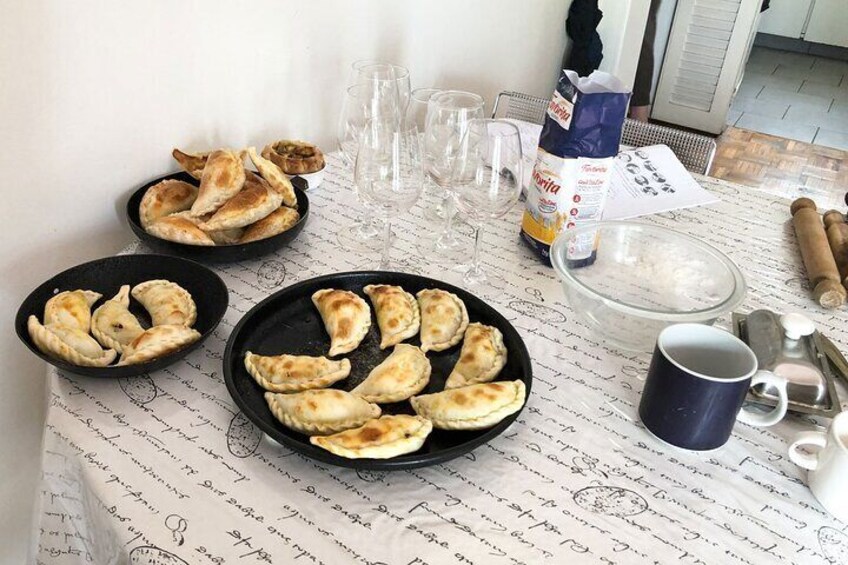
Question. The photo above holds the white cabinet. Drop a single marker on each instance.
(786, 17)
(829, 23)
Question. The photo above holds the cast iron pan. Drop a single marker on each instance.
(287, 322)
(218, 253)
(106, 277)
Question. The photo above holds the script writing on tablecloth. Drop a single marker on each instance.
(163, 469)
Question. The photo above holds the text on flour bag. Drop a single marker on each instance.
(573, 167)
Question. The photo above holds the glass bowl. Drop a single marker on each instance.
(627, 280)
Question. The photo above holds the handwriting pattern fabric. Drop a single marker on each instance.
(163, 468)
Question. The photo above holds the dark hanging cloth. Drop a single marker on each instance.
(587, 51)
(765, 5)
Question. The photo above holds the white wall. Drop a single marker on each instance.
(94, 94)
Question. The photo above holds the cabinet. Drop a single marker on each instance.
(828, 23)
(786, 17)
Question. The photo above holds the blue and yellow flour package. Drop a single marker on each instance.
(579, 140)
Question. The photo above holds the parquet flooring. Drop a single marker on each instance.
(789, 167)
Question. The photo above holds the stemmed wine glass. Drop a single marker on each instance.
(389, 174)
(448, 115)
(486, 183)
(416, 113)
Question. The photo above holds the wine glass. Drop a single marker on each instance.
(416, 113)
(389, 174)
(360, 72)
(448, 115)
(486, 183)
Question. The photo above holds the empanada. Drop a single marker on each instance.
(69, 344)
(403, 373)
(346, 316)
(167, 302)
(471, 407)
(71, 308)
(482, 357)
(165, 198)
(397, 313)
(385, 437)
(179, 229)
(253, 202)
(156, 342)
(275, 177)
(274, 223)
(192, 163)
(293, 373)
(113, 324)
(443, 319)
(220, 237)
(322, 411)
(222, 178)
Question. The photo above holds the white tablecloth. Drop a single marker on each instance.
(163, 469)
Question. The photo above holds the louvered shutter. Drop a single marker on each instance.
(707, 50)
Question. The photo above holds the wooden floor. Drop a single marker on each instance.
(789, 167)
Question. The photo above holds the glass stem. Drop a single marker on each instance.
(478, 237)
(448, 208)
(387, 242)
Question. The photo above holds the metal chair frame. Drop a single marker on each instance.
(695, 151)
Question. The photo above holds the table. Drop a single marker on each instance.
(163, 469)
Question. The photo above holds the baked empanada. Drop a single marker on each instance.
(322, 411)
(274, 223)
(403, 373)
(220, 237)
(222, 178)
(156, 342)
(385, 437)
(69, 344)
(275, 177)
(346, 316)
(113, 324)
(471, 407)
(253, 202)
(443, 319)
(482, 357)
(167, 303)
(192, 163)
(71, 308)
(397, 313)
(165, 198)
(294, 373)
(179, 229)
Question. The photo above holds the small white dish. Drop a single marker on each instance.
(313, 180)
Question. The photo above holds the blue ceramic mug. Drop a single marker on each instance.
(696, 385)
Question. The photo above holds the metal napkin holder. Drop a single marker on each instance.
(803, 362)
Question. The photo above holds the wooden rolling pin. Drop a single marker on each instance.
(815, 251)
(837, 237)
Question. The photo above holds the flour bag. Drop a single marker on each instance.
(574, 163)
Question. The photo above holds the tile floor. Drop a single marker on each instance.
(796, 96)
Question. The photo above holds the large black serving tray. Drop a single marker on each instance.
(106, 277)
(217, 253)
(287, 322)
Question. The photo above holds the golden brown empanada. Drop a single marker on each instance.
(156, 342)
(346, 316)
(397, 312)
(220, 237)
(274, 223)
(223, 178)
(403, 373)
(69, 344)
(113, 324)
(275, 177)
(71, 308)
(192, 163)
(255, 201)
(482, 357)
(294, 373)
(165, 198)
(167, 302)
(180, 229)
(385, 437)
(472, 407)
(322, 411)
(443, 319)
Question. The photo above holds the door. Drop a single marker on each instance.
(706, 54)
(786, 18)
(829, 23)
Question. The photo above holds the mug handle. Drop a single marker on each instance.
(778, 412)
(805, 460)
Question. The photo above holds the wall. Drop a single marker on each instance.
(93, 96)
